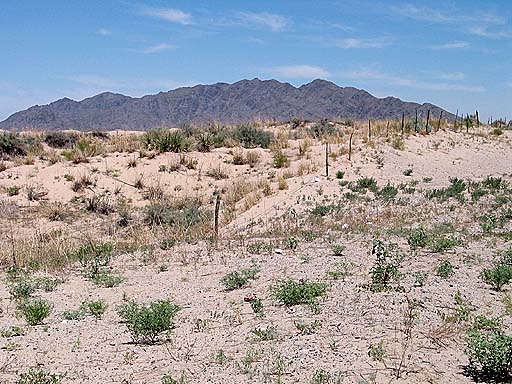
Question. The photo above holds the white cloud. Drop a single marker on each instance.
(452, 45)
(297, 71)
(451, 76)
(271, 21)
(409, 83)
(158, 48)
(103, 32)
(169, 14)
(348, 43)
(446, 16)
(484, 31)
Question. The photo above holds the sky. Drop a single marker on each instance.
(456, 54)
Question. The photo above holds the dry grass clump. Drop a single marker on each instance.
(82, 182)
(218, 172)
(127, 143)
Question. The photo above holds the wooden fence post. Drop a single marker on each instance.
(403, 122)
(439, 123)
(350, 146)
(477, 119)
(428, 120)
(327, 158)
(455, 123)
(216, 217)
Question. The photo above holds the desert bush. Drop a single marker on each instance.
(340, 174)
(386, 267)
(12, 144)
(489, 350)
(59, 139)
(456, 189)
(93, 257)
(35, 310)
(388, 192)
(265, 334)
(146, 322)
(82, 150)
(164, 140)
(250, 136)
(35, 193)
(13, 331)
(338, 249)
(101, 204)
(365, 183)
(418, 238)
(239, 279)
(205, 142)
(95, 307)
(218, 173)
(321, 129)
(445, 269)
(38, 375)
(291, 292)
(13, 190)
(500, 273)
(107, 280)
(22, 289)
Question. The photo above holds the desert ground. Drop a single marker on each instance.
(382, 271)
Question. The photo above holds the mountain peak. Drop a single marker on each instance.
(226, 103)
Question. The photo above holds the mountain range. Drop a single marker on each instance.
(242, 101)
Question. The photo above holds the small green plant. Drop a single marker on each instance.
(376, 352)
(420, 278)
(257, 306)
(22, 289)
(95, 307)
(500, 273)
(307, 328)
(291, 292)
(38, 375)
(338, 249)
(418, 238)
(265, 334)
(107, 280)
(13, 190)
(73, 314)
(445, 269)
(341, 270)
(35, 310)
(408, 172)
(168, 379)
(489, 350)
(12, 331)
(340, 174)
(386, 267)
(146, 322)
(388, 192)
(239, 279)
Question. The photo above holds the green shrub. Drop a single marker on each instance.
(239, 279)
(107, 280)
(93, 257)
(12, 144)
(35, 310)
(338, 249)
(388, 192)
(321, 129)
(22, 289)
(12, 331)
(164, 140)
(59, 139)
(489, 350)
(95, 307)
(386, 267)
(418, 238)
(38, 375)
(146, 322)
(365, 183)
(340, 174)
(280, 159)
(13, 190)
(265, 334)
(500, 273)
(445, 269)
(250, 136)
(292, 292)
(408, 172)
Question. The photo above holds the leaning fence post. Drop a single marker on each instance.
(439, 123)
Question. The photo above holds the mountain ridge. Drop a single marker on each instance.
(237, 102)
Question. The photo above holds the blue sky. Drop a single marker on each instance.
(453, 53)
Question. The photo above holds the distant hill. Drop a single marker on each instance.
(227, 103)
